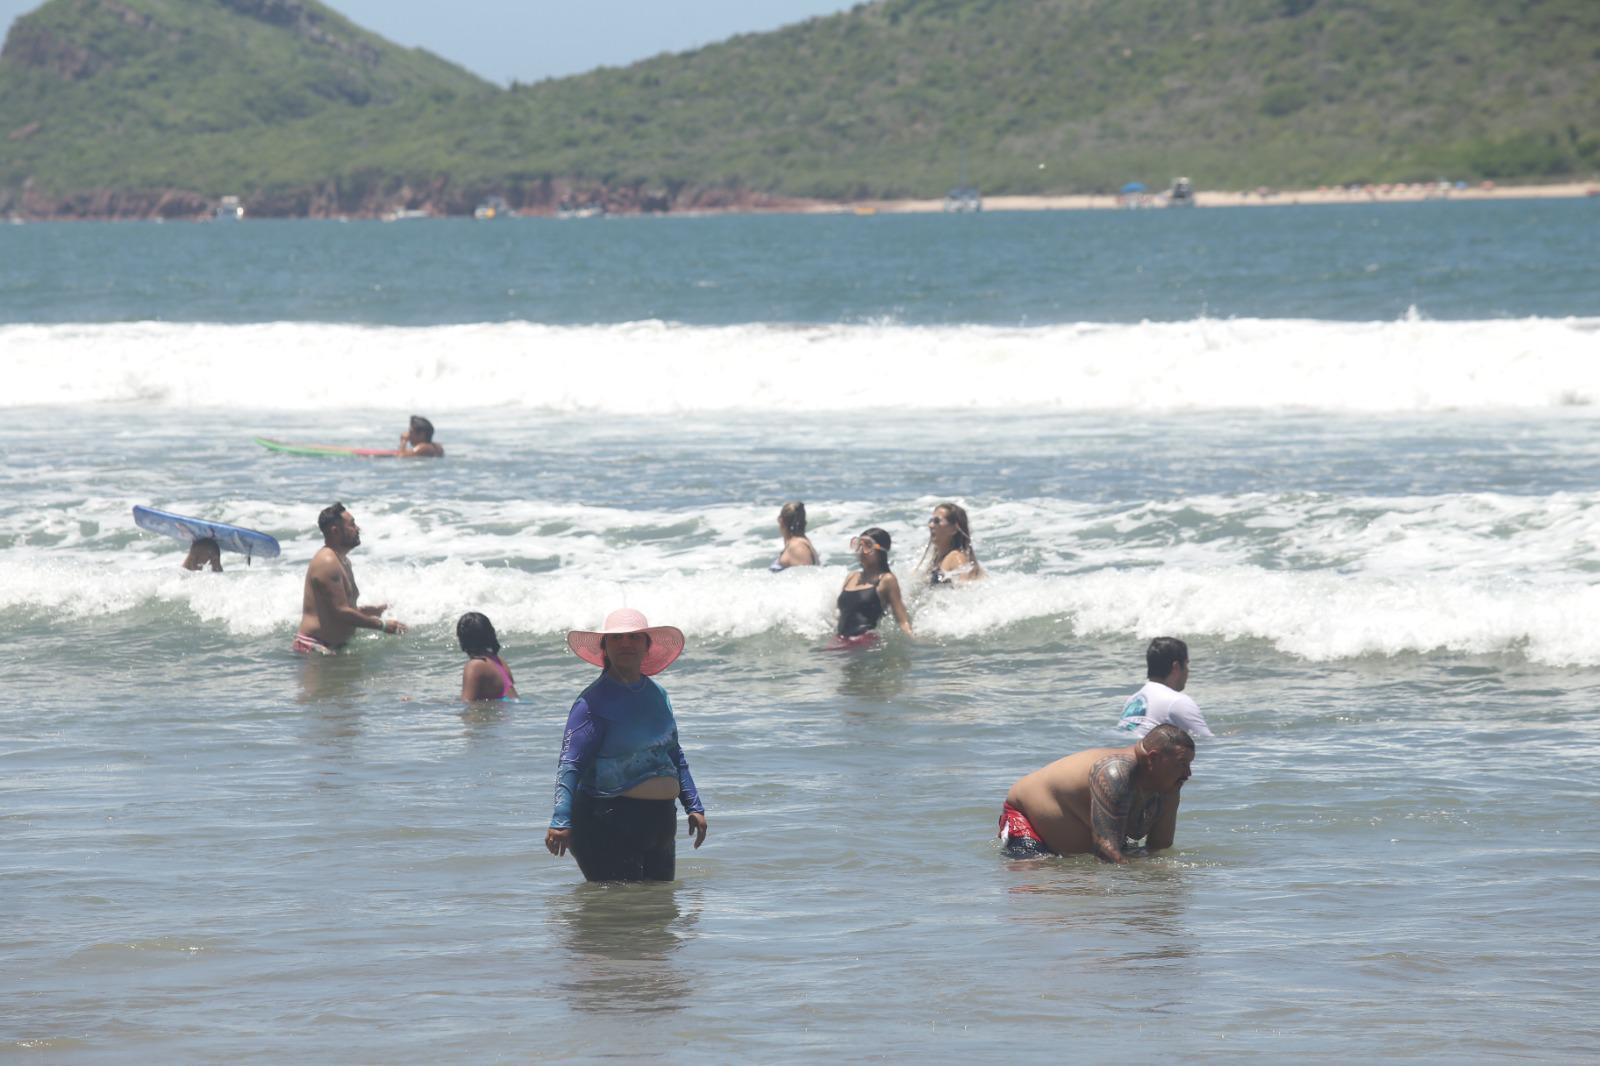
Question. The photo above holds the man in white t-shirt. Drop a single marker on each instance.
(1161, 701)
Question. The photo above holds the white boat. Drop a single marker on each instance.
(963, 200)
(405, 214)
(1182, 194)
(569, 209)
(228, 210)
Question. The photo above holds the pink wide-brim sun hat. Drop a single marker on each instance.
(666, 642)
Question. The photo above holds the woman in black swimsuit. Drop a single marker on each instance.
(867, 592)
(949, 556)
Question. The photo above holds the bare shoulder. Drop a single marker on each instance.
(324, 563)
(1112, 773)
(888, 583)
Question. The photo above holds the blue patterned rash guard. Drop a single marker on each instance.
(618, 736)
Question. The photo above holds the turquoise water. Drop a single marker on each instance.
(1348, 453)
(1454, 261)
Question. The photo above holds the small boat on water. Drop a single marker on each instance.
(963, 200)
(229, 209)
(405, 214)
(569, 208)
(1182, 193)
(1133, 195)
(491, 208)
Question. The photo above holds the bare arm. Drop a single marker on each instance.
(327, 585)
(797, 551)
(425, 450)
(889, 592)
(1110, 798)
(1166, 826)
(960, 567)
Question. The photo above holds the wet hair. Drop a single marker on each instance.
(963, 540)
(421, 429)
(882, 538)
(203, 551)
(330, 517)
(793, 517)
(1168, 740)
(476, 634)
(605, 659)
(1162, 654)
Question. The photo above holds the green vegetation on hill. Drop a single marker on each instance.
(290, 105)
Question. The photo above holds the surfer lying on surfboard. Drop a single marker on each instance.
(417, 441)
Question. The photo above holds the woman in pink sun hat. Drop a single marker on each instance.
(621, 766)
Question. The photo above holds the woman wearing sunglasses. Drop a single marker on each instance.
(867, 592)
(949, 556)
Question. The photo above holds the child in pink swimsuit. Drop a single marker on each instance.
(484, 677)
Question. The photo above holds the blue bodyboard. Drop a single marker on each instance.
(246, 542)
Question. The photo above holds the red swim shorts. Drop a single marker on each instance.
(1018, 837)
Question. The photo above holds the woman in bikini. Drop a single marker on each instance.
(867, 592)
(484, 677)
(797, 547)
(949, 557)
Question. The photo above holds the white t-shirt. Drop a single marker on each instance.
(1156, 704)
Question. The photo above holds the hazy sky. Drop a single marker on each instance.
(531, 39)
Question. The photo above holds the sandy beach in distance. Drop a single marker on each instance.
(1378, 193)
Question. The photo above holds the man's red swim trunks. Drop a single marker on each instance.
(1018, 838)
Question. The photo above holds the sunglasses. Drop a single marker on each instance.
(857, 543)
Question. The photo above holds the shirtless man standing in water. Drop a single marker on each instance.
(1100, 800)
(329, 614)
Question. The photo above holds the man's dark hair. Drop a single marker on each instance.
(1162, 655)
(329, 517)
(421, 429)
(1167, 739)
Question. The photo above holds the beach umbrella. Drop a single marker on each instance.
(1133, 186)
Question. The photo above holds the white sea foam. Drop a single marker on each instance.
(1321, 577)
(1407, 365)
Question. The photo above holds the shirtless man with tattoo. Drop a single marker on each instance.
(1101, 800)
(328, 612)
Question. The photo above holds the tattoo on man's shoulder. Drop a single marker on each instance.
(1111, 797)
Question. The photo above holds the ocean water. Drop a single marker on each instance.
(1349, 454)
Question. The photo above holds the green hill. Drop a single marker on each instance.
(291, 106)
(134, 97)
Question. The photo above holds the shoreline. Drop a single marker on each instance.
(1264, 197)
(159, 209)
